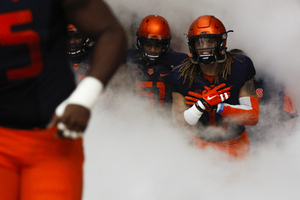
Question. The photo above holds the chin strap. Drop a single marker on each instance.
(194, 61)
(223, 60)
(216, 60)
(207, 59)
(246, 113)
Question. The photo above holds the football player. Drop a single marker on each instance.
(43, 114)
(219, 87)
(79, 51)
(150, 63)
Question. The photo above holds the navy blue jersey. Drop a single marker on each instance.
(152, 80)
(34, 70)
(81, 68)
(275, 107)
(240, 73)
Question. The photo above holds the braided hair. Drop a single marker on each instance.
(189, 69)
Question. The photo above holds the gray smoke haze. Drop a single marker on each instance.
(132, 153)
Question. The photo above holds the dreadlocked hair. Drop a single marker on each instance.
(189, 69)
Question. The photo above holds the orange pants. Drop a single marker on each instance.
(35, 165)
(238, 147)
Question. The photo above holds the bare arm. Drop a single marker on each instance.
(178, 108)
(248, 89)
(95, 19)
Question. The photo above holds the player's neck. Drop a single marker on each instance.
(209, 78)
(209, 69)
(151, 65)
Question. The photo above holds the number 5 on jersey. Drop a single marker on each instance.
(13, 39)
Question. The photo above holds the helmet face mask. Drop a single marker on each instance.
(207, 40)
(78, 46)
(153, 38)
(75, 43)
(205, 48)
(152, 50)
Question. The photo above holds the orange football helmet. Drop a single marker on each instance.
(72, 29)
(153, 28)
(78, 46)
(207, 26)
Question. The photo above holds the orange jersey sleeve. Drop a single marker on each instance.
(246, 113)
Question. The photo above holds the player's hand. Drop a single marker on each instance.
(72, 123)
(212, 97)
(192, 100)
(73, 114)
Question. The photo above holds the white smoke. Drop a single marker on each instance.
(132, 153)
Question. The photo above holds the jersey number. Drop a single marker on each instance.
(25, 37)
(154, 91)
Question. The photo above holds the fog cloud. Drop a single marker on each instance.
(132, 153)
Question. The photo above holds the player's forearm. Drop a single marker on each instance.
(245, 114)
(178, 109)
(96, 21)
(111, 44)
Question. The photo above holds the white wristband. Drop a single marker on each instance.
(192, 115)
(86, 95)
(87, 92)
